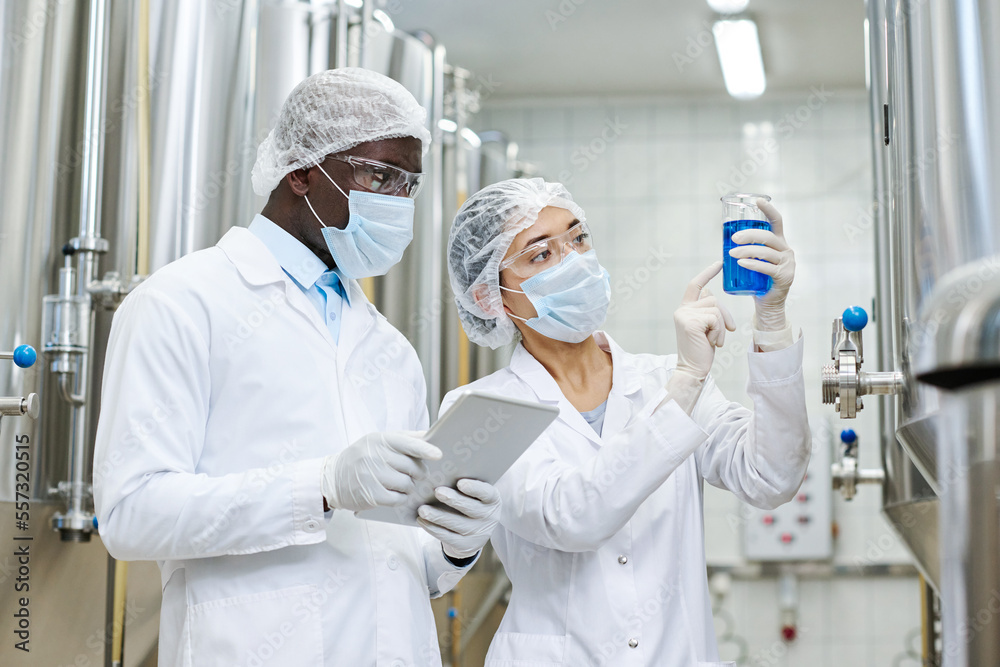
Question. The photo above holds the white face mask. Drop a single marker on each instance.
(379, 229)
(571, 298)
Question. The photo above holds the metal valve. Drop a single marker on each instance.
(23, 356)
(844, 383)
(845, 473)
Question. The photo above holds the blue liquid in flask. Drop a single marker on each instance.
(736, 279)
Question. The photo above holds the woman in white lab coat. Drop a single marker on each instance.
(601, 527)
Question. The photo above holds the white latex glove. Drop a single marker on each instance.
(773, 257)
(701, 323)
(466, 527)
(378, 470)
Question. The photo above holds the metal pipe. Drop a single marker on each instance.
(340, 55)
(435, 260)
(458, 78)
(78, 452)
(886, 383)
(928, 626)
(116, 654)
(70, 395)
(93, 144)
(870, 476)
(367, 10)
(815, 570)
(970, 593)
(143, 140)
(15, 406)
(74, 524)
(499, 588)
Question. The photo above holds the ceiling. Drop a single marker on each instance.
(636, 47)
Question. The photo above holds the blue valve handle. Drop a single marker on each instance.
(24, 356)
(848, 436)
(855, 318)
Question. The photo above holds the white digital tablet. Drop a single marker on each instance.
(480, 437)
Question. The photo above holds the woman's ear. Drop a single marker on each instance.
(481, 294)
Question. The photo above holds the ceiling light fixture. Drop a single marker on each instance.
(739, 56)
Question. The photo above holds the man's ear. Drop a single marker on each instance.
(298, 181)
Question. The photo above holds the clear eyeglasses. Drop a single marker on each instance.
(546, 253)
(382, 178)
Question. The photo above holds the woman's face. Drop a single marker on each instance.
(552, 221)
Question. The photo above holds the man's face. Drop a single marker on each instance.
(331, 205)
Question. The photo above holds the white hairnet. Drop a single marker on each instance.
(482, 233)
(330, 112)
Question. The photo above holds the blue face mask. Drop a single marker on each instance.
(571, 298)
(378, 230)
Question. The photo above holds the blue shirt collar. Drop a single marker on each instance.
(298, 261)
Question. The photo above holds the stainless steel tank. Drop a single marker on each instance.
(42, 75)
(409, 295)
(217, 75)
(944, 147)
(915, 160)
(908, 501)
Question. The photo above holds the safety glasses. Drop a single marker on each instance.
(546, 253)
(382, 178)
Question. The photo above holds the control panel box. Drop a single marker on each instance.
(799, 529)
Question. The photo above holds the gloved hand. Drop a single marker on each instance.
(377, 470)
(772, 257)
(466, 528)
(701, 324)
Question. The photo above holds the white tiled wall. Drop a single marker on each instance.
(649, 174)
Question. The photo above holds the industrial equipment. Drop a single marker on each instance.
(934, 77)
(799, 530)
(23, 356)
(129, 131)
(846, 473)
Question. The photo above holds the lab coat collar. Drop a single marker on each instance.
(295, 258)
(258, 266)
(251, 257)
(526, 367)
(626, 386)
(625, 382)
(625, 378)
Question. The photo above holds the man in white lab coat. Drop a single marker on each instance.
(254, 400)
(601, 527)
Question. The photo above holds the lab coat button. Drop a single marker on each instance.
(311, 526)
(623, 559)
(632, 643)
(391, 562)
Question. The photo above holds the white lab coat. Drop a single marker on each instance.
(223, 391)
(603, 536)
